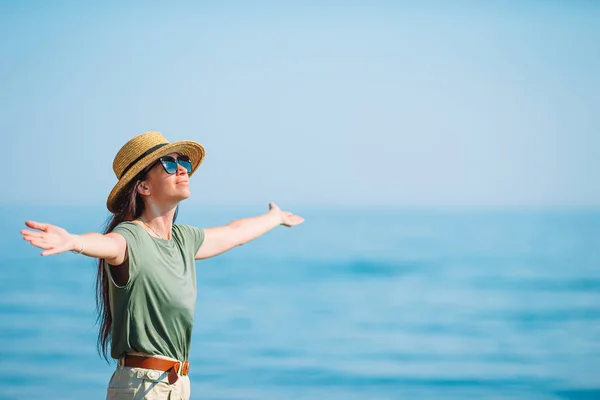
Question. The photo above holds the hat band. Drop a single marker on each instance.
(147, 152)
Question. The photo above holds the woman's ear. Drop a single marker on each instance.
(142, 188)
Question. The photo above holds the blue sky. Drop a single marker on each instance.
(334, 103)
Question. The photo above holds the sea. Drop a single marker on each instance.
(373, 303)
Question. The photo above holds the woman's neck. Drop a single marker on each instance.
(159, 222)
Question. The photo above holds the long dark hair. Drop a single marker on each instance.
(130, 206)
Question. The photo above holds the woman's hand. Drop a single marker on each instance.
(287, 218)
(51, 238)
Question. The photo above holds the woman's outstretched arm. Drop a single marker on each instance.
(220, 239)
(55, 240)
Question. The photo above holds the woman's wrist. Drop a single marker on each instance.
(77, 244)
(276, 216)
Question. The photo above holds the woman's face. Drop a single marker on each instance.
(163, 188)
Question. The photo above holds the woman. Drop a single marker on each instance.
(146, 282)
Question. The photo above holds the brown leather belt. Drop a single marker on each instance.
(158, 364)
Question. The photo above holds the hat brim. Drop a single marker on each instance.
(193, 150)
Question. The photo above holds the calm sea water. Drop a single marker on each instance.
(354, 304)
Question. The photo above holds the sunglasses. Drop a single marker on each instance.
(171, 164)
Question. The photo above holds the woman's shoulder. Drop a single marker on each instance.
(186, 230)
(184, 226)
(189, 234)
(128, 226)
(181, 228)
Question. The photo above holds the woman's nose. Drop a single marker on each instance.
(181, 170)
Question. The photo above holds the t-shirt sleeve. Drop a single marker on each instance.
(193, 237)
(132, 236)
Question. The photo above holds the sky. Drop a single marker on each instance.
(373, 103)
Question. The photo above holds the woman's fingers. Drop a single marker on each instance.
(296, 220)
(37, 225)
(52, 251)
(40, 237)
(292, 220)
(31, 234)
(273, 206)
(47, 237)
(49, 249)
(42, 244)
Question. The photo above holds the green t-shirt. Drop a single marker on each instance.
(154, 311)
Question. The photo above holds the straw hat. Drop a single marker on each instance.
(142, 151)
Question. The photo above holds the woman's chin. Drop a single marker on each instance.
(184, 194)
(181, 193)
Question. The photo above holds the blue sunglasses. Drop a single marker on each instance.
(171, 164)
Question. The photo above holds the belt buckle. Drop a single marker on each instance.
(185, 368)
